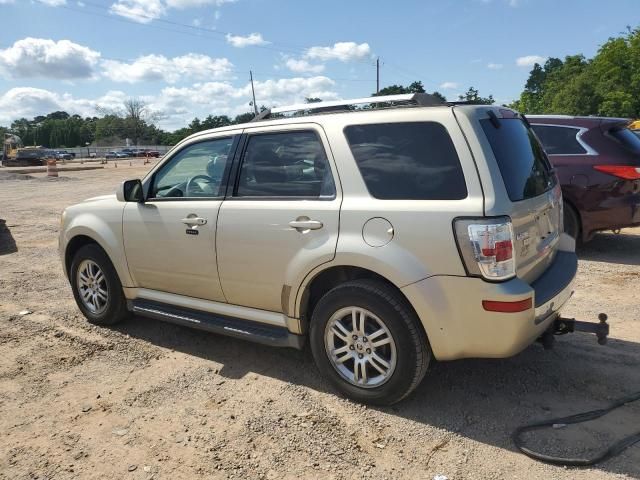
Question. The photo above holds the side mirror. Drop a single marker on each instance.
(130, 191)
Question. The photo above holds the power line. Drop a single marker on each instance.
(217, 34)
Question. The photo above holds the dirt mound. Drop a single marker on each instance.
(6, 176)
(55, 179)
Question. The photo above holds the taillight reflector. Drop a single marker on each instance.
(507, 307)
(626, 172)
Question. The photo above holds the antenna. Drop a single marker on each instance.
(253, 93)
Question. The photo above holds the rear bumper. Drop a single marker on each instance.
(451, 311)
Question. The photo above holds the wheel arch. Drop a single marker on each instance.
(79, 235)
(75, 244)
(324, 280)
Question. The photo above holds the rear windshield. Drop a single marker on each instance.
(523, 164)
(627, 138)
(407, 161)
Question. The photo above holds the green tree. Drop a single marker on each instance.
(607, 84)
(472, 96)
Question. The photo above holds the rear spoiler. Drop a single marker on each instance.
(607, 124)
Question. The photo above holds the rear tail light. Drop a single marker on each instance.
(626, 172)
(486, 246)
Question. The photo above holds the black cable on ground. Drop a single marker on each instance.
(612, 451)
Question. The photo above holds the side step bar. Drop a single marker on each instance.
(232, 327)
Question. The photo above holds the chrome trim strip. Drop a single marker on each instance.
(223, 309)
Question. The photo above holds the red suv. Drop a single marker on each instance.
(598, 163)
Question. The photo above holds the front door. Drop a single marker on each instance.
(282, 218)
(169, 239)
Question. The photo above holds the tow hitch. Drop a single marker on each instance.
(562, 326)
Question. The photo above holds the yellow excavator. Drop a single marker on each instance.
(635, 126)
(15, 155)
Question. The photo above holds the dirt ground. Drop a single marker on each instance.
(152, 400)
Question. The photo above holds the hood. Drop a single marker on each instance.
(100, 198)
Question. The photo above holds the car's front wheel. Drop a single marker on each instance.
(368, 342)
(96, 286)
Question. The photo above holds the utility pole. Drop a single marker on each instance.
(253, 93)
(378, 75)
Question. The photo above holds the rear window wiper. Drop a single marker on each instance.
(495, 121)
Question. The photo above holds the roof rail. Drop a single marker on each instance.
(418, 99)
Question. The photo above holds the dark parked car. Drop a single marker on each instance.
(147, 152)
(598, 163)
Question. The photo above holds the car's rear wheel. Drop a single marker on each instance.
(368, 342)
(571, 222)
(96, 286)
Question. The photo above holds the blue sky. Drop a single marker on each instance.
(190, 58)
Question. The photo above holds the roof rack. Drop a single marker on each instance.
(417, 99)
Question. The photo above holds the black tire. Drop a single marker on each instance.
(412, 346)
(116, 305)
(571, 222)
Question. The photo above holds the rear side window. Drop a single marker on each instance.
(285, 165)
(627, 138)
(407, 161)
(559, 140)
(524, 167)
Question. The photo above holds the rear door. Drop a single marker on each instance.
(281, 219)
(533, 189)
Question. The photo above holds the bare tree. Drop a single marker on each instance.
(136, 116)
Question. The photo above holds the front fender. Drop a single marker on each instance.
(105, 228)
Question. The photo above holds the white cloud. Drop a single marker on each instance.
(511, 3)
(51, 3)
(495, 66)
(343, 51)
(145, 11)
(449, 85)
(39, 57)
(302, 66)
(29, 102)
(250, 40)
(530, 60)
(141, 11)
(196, 3)
(178, 105)
(171, 70)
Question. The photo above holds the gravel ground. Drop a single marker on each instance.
(152, 400)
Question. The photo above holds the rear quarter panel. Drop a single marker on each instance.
(423, 243)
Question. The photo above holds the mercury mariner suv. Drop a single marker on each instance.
(388, 231)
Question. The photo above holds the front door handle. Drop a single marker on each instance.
(194, 221)
(303, 223)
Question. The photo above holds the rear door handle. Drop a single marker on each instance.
(301, 224)
(194, 221)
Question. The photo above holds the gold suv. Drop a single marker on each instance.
(386, 231)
